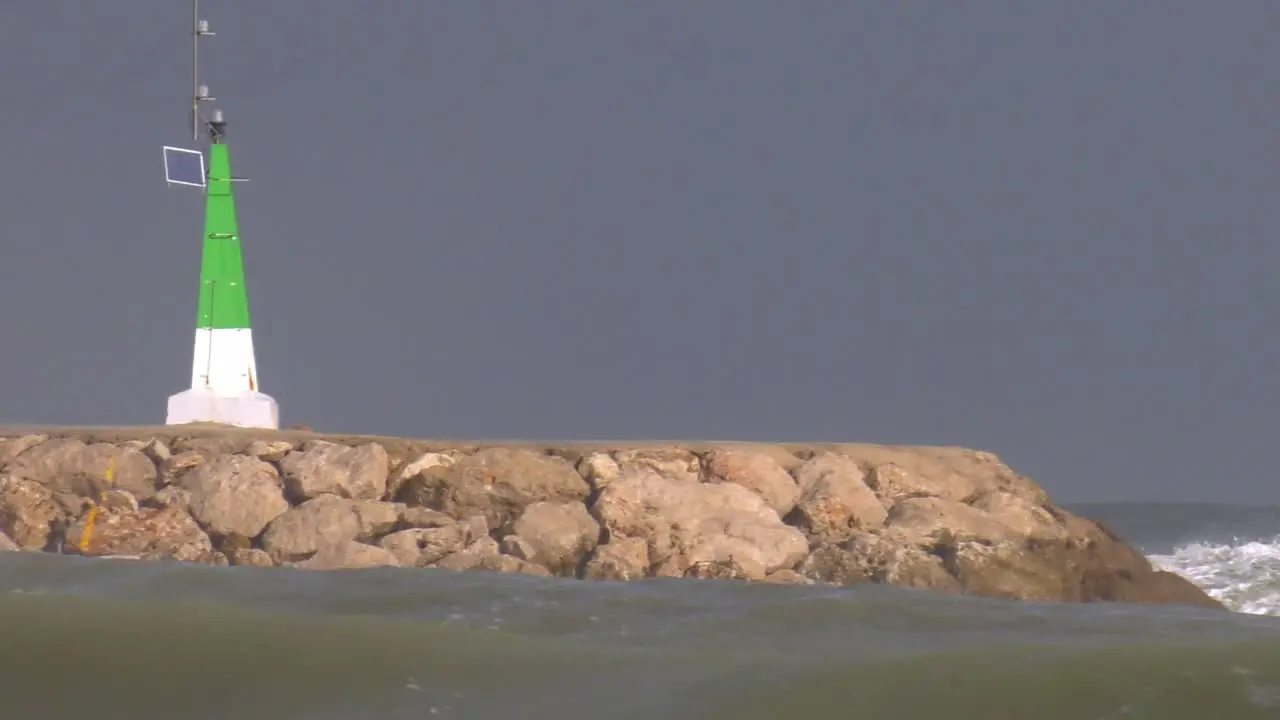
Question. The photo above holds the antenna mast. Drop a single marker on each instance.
(199, 93)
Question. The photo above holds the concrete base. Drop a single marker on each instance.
(249, 409)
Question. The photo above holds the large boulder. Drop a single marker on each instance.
(498, 483)
(950, 473)
(234, 495)
(1090, 564)
(28, 512)
(269, 450)
(422, 463)
(671, 463)
(684, 523)
(925, 520)
(485, 554)
(835, 501)
(621, 558)
(356, 473)
(1001, 546)
(349, 555)
(324, 521)
(149, 533)
(12, 447)
(422, 546)
(557, 536)
(1025, 517)
(757, 471)
(868, 557)
(68, 465)
(599, 469)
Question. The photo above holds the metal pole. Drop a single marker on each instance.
(195, 69)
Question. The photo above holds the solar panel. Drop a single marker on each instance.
(183, 166)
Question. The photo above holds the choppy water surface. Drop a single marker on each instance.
(139, 640)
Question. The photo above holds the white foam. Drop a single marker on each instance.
(1244, 576)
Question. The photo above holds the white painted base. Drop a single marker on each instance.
(223, 361)
(247, 409)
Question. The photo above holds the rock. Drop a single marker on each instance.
(518, 547)
(483, 547)
(788, 577)
(950, 473)
(11, 448)
(349, 555)
(157, 450)
(28, 512)
(893, 483)
(1019, 514)
(493, 564)
(560, 535)
(421, 517)
(69, 465)
(835, 502)
(376, 518)
(728, 569)
(1091, 565)
(7, 545)
(670, 463)
(477, 526)
(758, 472)
(249, 557)
(272, 451)
(485, 554)
(417, 547)
(619, 559)
(149, 533)
(835, 565)
(119, 501)
(234, 495)
(719, 558)
(780, 454)
(1005, 570)
(172, 496)
(497, 483)
(871, 558)
(422, 463)
(1004, 479)
(72, 505)
(599, 469)
(469, 557)
(356, 473)
(322, 521)
(173, 468)
(325, 521)
(926, 520)
(211, 446)
(422, 489)
(688, 521)
(889, 562)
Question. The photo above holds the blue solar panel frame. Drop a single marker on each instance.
(183, 166)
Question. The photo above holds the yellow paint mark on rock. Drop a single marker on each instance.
(87, 535)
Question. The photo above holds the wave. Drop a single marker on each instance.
(72, 657)
(1244, 575)
(97, 638)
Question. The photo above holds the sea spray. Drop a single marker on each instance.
(1244, 575)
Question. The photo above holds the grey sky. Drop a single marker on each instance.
(1045, 229)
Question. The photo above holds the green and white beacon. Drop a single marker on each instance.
(224, 375)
